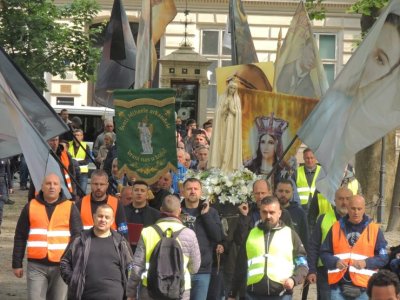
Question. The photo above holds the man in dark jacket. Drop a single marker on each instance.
(45, 227)
(250, 214)
(204, 220)
(317, 272)
(284, 193)
(272, 260)
(139, 212)
(80, 265)
(353, 249)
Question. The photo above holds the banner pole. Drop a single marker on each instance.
(149, 83)
(283, 155)
(382, 174)
(69, 173)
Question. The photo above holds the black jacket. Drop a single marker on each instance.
(74, 261)
(23, 226)
(299, 221)
(267, 287)
(208, 231)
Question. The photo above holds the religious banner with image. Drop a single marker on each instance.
(269, 123)
(145, 126)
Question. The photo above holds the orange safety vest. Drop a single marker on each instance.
(48, 238)
(65, 161)
(362, 249)
(86, 211)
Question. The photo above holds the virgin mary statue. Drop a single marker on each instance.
(226, 140)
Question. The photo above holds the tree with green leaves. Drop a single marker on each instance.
(43, 37)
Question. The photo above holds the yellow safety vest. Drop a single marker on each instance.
(324, 206)
(279, 258)
(328, 220)
(80, 155)
(151, 238)
(302, 185)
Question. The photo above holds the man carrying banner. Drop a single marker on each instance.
(45, 227)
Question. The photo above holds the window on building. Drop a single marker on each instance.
(211, 46)
(327, 44)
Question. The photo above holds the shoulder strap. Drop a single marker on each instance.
(176, 233)
(158, 230)
(161, 233)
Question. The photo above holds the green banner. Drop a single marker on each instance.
(145, 126)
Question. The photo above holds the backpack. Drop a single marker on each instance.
(165, 277)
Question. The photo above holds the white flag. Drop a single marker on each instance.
(299, 70)
(362, 105)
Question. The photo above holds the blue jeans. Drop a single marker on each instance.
(83, 182)
(255, 297)
(200, 283)
(336, 294)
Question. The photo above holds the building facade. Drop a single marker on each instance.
(336, 36)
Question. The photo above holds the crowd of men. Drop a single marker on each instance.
(104, 244)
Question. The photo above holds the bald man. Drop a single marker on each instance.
(353, 250)
(45, 227)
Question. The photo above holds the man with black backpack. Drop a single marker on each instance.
(166, 255)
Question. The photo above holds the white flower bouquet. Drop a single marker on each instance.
(233, 188)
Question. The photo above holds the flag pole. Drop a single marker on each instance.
(279, 160)
(382, 175)
(66, 170)
(234, 58)
(278, 50)
(149, 83)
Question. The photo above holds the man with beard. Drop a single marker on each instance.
(272, 259)
(249, 213)
(284, 193)
(205, 222)
(318, 273)
(88, 205)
